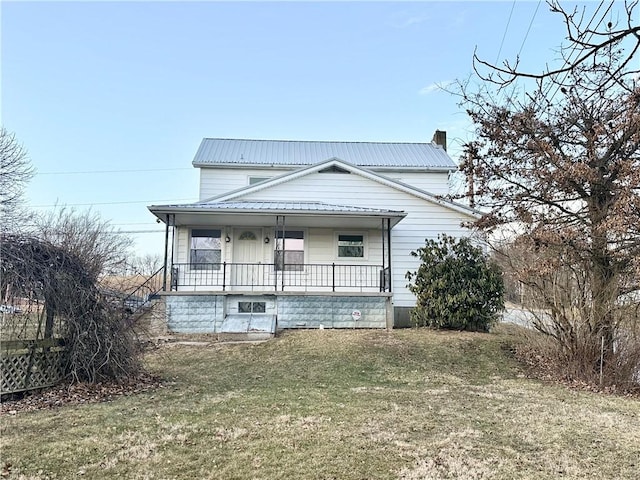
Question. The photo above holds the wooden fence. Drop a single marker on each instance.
(30, 364)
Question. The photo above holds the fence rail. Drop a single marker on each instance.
(30, 364)
(278, 277)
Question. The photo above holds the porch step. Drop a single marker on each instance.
(249, 323)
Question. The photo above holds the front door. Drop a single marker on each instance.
(247, 256)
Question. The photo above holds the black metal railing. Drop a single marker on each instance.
(269, 276)
(144, 293)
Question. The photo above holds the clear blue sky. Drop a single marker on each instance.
(111, 99)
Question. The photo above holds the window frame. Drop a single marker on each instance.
(365, 245)
(200, 266)
(256, 179)
(254, 307)
(277, 265)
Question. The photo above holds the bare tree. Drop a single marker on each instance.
(146, 265)
(62, 299)
(15, 172)
(101, 247)
(586, 42)
(562, 175)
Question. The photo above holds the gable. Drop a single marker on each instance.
(334, 169)
(326, 182)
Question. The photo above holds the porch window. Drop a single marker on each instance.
(351, 246)
(206, 250)
(290, 249)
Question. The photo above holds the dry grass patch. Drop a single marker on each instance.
(335, 404)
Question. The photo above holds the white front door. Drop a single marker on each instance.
(247, 255)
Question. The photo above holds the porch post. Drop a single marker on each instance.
(173, 243)
(389, 252)
(384, 259)
(284, 247)
(166, 253)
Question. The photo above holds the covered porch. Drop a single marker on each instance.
(256, 267)
(277, 246)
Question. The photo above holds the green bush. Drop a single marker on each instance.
(456, 286)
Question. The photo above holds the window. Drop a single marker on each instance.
(254, 180)
(289, 254)
(252, 307)
(205, 250)
(351, 246)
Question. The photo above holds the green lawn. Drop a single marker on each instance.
(327, 404)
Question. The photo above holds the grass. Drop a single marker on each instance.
(407, 404)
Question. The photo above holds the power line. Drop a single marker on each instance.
(135, 223)
(505, 32)
(109, 203)
(526, 35)
(79, 172)
(574, 49)
(117, 232)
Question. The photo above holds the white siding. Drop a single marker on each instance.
(320, 248)
(216, 181)
(424, 220)
(432, 182)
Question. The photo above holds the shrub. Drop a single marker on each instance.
(456, 286)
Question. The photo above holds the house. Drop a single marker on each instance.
(304, 234)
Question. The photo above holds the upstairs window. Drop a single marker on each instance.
(254, 180)
(289, 254)
(206, 249)
(351, 246)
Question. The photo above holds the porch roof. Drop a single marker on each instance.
(263, 213)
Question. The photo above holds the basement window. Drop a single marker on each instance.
(252, 307)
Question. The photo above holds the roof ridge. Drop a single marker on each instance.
(317, 141)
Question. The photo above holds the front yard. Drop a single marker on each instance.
(328, 404)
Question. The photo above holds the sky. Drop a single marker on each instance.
(112, 99)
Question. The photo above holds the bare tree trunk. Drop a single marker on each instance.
(48, 326)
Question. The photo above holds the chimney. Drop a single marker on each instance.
(440, 138)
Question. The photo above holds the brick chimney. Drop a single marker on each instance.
(440, 138)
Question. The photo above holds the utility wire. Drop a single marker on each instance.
(80, 172)
(504, 35)
(135, 223)
(109, 203)
(575, 47)
(526, 35)
(118, 232)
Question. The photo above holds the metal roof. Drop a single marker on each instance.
(238, 152)
(270, 206)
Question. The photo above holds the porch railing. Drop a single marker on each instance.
(266, 277)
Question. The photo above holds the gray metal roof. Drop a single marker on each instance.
(268, 207)
(227, 151)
